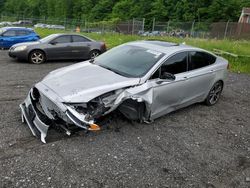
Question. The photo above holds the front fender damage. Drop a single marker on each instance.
(42, 111)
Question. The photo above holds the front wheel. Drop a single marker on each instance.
(93, 54)
(214, 94)
(37, 57)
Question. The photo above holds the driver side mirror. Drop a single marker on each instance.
(167, 76)
(53, 43)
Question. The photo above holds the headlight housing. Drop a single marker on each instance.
(80, 108)
(20, 48)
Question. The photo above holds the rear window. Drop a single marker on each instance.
(200, 59)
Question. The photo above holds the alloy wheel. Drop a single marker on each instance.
(215, 93)
(94, 54)
(37, 57)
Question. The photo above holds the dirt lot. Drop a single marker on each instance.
(198, 146)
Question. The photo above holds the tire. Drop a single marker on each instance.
(94, 53)
(37, 57)
(214, 94)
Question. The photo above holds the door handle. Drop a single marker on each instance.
(185, 78)
(159, 82)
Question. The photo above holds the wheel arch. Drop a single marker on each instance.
(133, 109)
(37, 49)
(220, 80)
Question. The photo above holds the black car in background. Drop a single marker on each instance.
(58, 47)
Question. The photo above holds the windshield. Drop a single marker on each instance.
(2, 31)
(48, 38)
(128, 60)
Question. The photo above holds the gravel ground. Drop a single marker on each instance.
(198, 146)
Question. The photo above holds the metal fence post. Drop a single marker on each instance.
(192, 29)
(102, 28)
(133, 26)
(225, 34)
(143, 24)
(168, 26)
(65, 21)
(153, 26)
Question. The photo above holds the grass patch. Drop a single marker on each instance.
(240, 64)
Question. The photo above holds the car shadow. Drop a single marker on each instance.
(115, 122)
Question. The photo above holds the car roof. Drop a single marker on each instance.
(164, 47)
(17, 28)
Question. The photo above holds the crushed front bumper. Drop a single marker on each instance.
(39, 123)
(30, 116)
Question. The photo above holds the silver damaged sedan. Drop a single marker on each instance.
(143, 80)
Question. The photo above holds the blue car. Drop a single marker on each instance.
(13, 35)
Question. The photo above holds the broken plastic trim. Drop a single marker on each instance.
(37, 127)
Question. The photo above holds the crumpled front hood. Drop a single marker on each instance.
(85, 81)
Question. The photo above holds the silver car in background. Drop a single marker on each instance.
(58, 47)
(143, 80)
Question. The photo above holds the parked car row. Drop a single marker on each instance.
(25, 44)
(40, 25)
(29, 23)
(174, 33)
(17, 23)
(2, 24)
(58, 47)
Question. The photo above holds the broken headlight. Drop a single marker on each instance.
(80, 108)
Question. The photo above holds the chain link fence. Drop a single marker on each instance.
(194, 29)
(217, 30)
(132, 27)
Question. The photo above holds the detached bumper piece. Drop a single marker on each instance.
(39, 123)
(37, 127)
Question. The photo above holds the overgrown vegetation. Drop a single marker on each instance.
(99, 10)
(240, 64)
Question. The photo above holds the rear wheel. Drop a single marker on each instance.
(214, 94)
(37, 57)
(94, 53)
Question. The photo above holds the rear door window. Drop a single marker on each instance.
(63, 39)
(22, 32)
(79, 39)
(200, 59)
